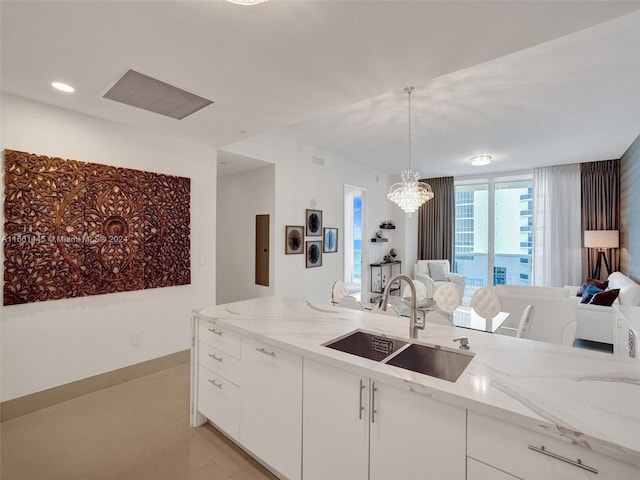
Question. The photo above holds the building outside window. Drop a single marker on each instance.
(493, 231)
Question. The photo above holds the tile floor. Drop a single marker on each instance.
(138, 430)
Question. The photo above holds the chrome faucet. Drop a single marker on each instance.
(413, 324)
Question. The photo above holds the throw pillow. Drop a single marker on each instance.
(589, 292)
(605, 298)
(592, 281)
(438, 272)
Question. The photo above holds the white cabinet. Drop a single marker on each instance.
(627, 323)
(414, 436)
(216, 376)
(271, 420)
(219, 401)
(533, 456)
(336, 423)
(481, 471)
(364, 425)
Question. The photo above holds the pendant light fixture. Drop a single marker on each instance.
(410, 193)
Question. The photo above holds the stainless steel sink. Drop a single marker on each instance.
(367, 345)
(432, 360)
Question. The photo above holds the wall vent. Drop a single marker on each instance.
(141, 91)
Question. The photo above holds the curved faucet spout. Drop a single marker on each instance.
(413, 324)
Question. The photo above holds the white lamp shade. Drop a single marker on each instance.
(601, 239)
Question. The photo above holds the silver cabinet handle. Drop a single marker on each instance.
(576, 463)
(214, 383)
(262, 350)
(374, 389)
(213, 330)
(215, 357)
(360, 410)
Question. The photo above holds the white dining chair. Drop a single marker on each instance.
(525, 322)
(486, 303)
(447, 298)
(350, 302)
(338, 291)
(421, 290)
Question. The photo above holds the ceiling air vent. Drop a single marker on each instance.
(144, 92)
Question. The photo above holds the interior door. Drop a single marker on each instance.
(262, 250)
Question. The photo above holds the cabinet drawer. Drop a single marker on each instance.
(219, 401)
(479, 471)
(211, 333)
(532, 456)
(219, 362)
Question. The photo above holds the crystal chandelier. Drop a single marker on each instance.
(410, 193)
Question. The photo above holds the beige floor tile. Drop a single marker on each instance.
(137, 430)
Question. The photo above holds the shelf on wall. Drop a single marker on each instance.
(379, 239)
(387, 227)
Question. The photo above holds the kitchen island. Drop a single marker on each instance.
(520, 409)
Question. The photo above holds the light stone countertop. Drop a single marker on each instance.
(589, 398)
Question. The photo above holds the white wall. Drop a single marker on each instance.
(51, 343)
(302, 183)
(240, 198)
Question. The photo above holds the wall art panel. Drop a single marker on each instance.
(74, 229)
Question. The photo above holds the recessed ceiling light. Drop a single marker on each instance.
(480, 160)
(63, 87)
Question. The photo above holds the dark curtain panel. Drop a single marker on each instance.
(436, 222)
(600, 208)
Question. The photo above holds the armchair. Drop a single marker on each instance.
(434, 273)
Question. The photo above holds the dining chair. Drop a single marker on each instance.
(447, 298)
(338, 291)
(421, 290)
(350, 302)
(525, 322)
(486, 302)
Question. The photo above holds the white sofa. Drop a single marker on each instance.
(554, 320)
(422, 272)
(596, 322)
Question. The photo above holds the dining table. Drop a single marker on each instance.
(463, 316)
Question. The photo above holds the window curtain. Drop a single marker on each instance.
(557, 242)
(600, 208)
(436, 222)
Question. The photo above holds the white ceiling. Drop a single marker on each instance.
(531, 83)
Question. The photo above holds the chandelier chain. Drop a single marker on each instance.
(409, 90)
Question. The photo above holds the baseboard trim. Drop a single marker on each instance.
(17, 407)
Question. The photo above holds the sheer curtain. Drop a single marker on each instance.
(557, 243)
(436, 222)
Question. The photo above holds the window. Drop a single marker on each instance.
(493, 230)
(353, 207)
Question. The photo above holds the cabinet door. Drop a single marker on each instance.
(335, 424)
(271, 413)
(480, 471)
(219, 401)
(415, 437)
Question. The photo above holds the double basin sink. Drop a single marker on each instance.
(432, 360)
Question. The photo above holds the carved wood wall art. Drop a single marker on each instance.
(74, 229)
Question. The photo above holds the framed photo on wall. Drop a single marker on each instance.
(294, 239)
(330, 240)
(314, 253)
(314, 223)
